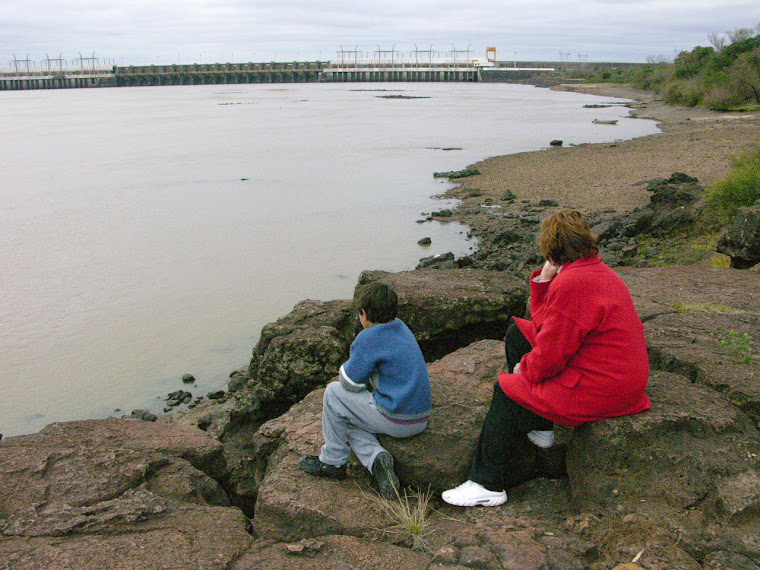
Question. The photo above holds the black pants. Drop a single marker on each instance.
(507, 422)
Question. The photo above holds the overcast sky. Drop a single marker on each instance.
(187, 31)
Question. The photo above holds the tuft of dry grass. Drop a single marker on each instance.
(410, 516)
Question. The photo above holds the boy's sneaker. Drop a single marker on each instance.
(543, 439)
(311, 464)
(472, 494)
(388, 486)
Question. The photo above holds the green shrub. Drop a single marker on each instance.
(725, 97)
(741, 187)
(688, 93)
(690, 63)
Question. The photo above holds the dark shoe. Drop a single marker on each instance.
(312, 465)
(388, 486)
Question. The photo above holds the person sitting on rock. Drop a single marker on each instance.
(384, 388)
(582, 358)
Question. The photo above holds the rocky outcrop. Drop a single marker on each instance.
(692, 458)
(697, 443)
(450, 309)
(680, 482)
(673, 206)
(303, 350)
(507, 231)
(703, 323)
(110, 493)
(741, 239)
(437, 459)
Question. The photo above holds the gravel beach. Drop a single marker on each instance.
(590, 177)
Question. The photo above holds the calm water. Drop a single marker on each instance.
(132, 250)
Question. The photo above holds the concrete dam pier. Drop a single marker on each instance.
(341, 70)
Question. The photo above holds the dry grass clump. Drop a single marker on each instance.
(409, 514)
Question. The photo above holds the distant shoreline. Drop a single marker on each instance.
(589, 177)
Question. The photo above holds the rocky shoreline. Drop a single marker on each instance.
(677, 487)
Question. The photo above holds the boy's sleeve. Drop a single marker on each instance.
(356, 372)
(349, 384)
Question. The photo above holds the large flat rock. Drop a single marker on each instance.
(292, 505)
(116, 494)
(695, 319)
(693, 450)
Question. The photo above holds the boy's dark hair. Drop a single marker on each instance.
(380, 302)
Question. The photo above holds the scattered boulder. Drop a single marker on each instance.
(178, 397)
(144, 415)
(741, 239)
(556, 142)
(439, 261)
(425, 241)
(188, 378)
(297, 353)
(238, 380)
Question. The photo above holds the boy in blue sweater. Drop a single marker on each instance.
(384, 388)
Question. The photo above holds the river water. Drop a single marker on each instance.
(150, 232)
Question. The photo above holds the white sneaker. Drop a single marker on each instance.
(472, 494)
(544, 439)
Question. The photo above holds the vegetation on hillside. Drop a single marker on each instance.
(723, 76)
(741, 187)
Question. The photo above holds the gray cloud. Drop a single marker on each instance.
(183, 31)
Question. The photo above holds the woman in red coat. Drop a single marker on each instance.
(582, 358)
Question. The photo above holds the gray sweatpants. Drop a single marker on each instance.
(350, 420)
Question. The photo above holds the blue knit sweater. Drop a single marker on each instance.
(387, 356)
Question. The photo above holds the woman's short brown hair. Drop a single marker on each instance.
(565, 237)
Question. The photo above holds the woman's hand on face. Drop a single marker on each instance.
(548, 271)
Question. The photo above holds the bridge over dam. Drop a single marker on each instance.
(341, 70)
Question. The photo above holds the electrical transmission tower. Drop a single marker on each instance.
(59, 60)
(380, 52)
(16, 61)
(455, 52)
(418, 52)
(81, 59)
(343, 52)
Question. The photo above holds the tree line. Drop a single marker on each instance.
(723, 76)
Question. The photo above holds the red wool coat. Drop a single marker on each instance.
(589, 359)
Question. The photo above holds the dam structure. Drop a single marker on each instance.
(385, 66)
